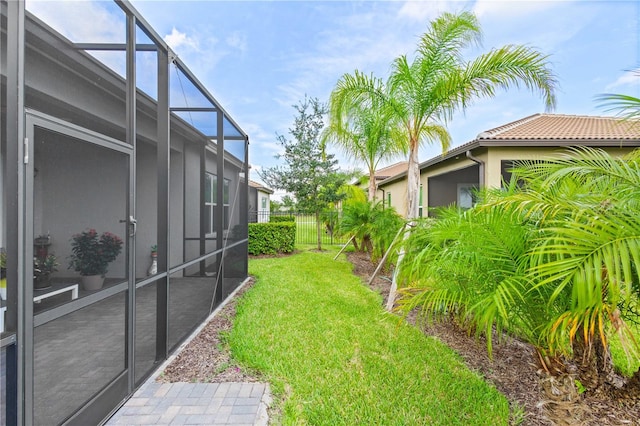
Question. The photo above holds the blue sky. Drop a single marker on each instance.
(258, 58)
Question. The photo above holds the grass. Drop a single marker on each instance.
(334, 357)
(625, 356)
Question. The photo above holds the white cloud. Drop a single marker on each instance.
(629, 78)
(546, 25)
(353, 41)
(426, 10)
(177, 40)
(82, 21)
(237, 40)
(511, 9)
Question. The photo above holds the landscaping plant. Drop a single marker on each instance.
(555, 263)
(372, 226)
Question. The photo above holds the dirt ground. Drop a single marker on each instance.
(537, 398)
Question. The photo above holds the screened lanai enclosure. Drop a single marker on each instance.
(106, 131)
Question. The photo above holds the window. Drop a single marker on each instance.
(388, 199)
(211, 198)
(467, 196)
(264, 203)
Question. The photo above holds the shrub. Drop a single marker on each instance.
(271, 238)
(280, 219)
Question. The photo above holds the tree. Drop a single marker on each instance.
(365, 134)
(310, 174)
(275, 206)
(423, 94)
(289, 203)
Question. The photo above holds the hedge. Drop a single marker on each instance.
(280, 219)
(272, 238)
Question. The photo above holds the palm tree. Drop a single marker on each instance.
(471, 265)
(556, 262)
(420, 96)
(371, 226)
(586, 205)
(365, 134)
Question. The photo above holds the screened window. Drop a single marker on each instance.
(467, 195)
(211, 198)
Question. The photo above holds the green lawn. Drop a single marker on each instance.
(333, 356)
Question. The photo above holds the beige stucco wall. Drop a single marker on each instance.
(398, 192)
(492, 157)
(496, 155)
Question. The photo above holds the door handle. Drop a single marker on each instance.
(133, 223)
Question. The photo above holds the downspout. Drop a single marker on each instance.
(480, 168)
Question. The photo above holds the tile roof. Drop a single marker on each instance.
(391, 170)
(546, 130)
(260, 186)
(563, 127)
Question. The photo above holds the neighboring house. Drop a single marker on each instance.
(123, 138)
(259, 202)
(382, 174)
(453, 177)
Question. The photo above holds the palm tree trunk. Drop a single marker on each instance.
(593, 360)
(413, 199)
(413, 182)
(372, 186)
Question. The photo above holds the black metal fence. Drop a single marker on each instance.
(306, 231)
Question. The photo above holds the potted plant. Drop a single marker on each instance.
(43, 267)
(91, 254)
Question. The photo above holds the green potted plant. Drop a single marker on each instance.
(43, 267)
(91, 254)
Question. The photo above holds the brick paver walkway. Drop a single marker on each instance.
(196, 404)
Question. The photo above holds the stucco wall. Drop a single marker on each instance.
(496, 155)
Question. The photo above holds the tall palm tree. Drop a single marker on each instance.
(421, 95)
(365, 133)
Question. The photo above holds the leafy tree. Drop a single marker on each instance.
(275, 206)
(421, 95)
(289, 203)
(310, 174)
